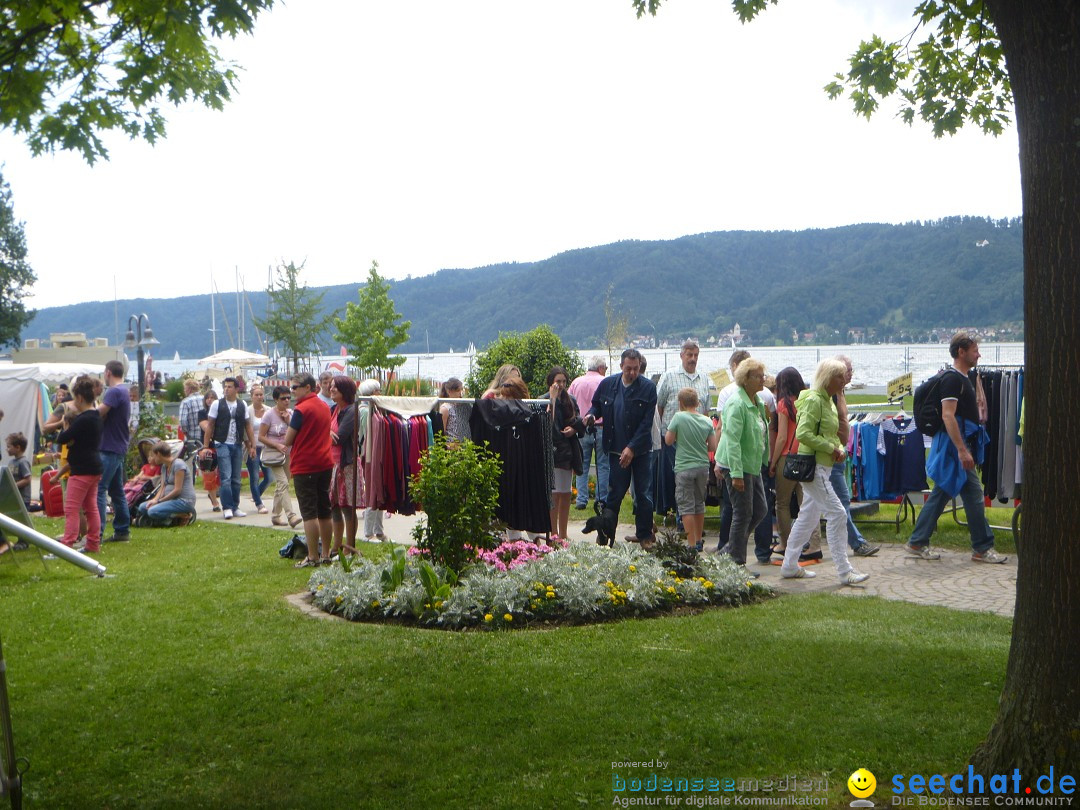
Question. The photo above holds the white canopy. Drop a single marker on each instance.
(24, 401)
(235, 357)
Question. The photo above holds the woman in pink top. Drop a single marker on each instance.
(789, 383)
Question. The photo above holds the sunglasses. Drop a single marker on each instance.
(295, 387)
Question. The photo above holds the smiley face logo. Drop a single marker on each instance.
(861, 783)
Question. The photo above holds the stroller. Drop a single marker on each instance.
(141, 488)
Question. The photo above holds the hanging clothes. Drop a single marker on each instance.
(901, 446)
(521, 437)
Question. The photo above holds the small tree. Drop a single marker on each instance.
(370, 329)
(296, 317)
(458, 487)
(15, 273)
(617, 329)
(533, 352)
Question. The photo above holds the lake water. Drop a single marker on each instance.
(874, 364)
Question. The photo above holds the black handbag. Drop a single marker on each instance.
(798, 467)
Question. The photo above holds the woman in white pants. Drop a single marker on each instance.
(816, 432)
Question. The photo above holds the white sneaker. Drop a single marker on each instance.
(988, 556)
(853, 577)
(238, 513)
(227, 514)
(799, 573)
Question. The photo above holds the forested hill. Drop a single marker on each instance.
(897, 280)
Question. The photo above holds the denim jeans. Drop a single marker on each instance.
(982, 537)
(592, 445)
(840, 487)
(230, 465)
(619, 482)
(748, 509)
(258, 477)
(112, 482)
(163, 513)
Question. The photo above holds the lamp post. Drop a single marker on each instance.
(139, 337)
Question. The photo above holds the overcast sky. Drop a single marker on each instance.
(426, 134)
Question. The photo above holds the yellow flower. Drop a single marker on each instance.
(438, 604)
(488, 617)
(708, 584)
(320, 587)
(551, 595)
(375, 604)
(338, 600)
(671, 589)
(507, 617)
(633, 569)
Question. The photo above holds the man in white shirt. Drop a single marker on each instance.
(667, 405)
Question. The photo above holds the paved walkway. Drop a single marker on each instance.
(954, 581)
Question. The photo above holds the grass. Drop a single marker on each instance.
(185, 680)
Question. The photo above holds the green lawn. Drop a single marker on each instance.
(184, 679)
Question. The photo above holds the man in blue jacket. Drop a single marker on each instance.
(627, 404)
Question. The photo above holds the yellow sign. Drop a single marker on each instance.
(721, 378)
(900, 387)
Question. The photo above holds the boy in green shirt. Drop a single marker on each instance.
(694, 438)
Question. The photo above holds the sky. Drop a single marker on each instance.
(426, 135)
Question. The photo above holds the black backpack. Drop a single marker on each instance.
(927, 405)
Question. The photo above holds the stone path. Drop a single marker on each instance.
(954, 581)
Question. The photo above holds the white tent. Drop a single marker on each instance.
(24, 398)
(235, 357)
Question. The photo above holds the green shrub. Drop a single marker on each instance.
(458, 487)
(153, 424)
(534, 353)
(174, 390)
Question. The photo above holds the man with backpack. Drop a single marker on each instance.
(953, 445)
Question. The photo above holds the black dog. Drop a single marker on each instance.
(604, 524)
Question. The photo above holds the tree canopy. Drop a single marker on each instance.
(73, 69)
(370, 328)
(16, 276)
(533, 352)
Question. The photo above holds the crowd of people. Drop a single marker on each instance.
(659, 441)
(758, 423)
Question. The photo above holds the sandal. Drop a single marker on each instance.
(307, 562)
(294, 521)
(325, 561)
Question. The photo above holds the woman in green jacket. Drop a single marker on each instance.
(816, 432)
(743, 451)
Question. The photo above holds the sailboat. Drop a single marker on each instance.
(427, 341)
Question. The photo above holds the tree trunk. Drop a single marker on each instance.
(1038, 722)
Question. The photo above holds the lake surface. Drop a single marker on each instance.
(874, 364)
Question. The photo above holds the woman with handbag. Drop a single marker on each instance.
(272, 429)
(789, 384)
(820, 446)
(743, 451)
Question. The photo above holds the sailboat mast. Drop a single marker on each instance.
(213, 316)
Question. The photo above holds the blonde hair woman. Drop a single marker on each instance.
(817, 432)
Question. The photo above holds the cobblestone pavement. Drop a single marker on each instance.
(954, 581)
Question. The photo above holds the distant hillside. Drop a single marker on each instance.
(896, 280)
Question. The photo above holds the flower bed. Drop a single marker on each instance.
(581, 583)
